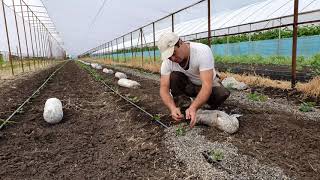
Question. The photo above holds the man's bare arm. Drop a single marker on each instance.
(164, 92)
(167, 99)
(205, 91)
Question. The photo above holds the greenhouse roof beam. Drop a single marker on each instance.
(26, 5)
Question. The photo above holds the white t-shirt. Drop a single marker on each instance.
(201, 59)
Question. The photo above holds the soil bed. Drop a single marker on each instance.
(15, 92)
(274, 138)
(290, 94)
(276, 72)
(100, 137)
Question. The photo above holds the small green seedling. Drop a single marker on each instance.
(216, 155)
(2, 121)
(156, 117)
(134, 99)
(307, 106)
(180, 131)
(257, 97)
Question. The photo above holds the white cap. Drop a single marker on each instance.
(166, 44)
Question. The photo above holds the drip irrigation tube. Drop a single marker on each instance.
(126, 99)
(26, 101)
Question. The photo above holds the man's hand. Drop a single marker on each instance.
(191, 114)
(202, 97)
(176, 114)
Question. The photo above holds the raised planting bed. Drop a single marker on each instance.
(276, 72)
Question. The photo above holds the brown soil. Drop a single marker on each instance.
(15, 92)
(274, 139)
(290, 94)
(278, 139)
(100, 137)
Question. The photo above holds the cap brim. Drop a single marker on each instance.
(167, 53)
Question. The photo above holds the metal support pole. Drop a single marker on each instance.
(7, 33)
(228, 42)
(137, 47)
(154, 42)
(46, 45)
(45, 52)
(100, 51)
(25, 35)
(104, 51)
(279, 39)
(36, 41)
(108, 50)
(141, 48)
(131, 46)
(111, 51)
(117, 50)
(250, 32)
(17, 28)
(172, 21)
(34, 62)
(209, 23)
(294, 43)
(124, 51)
(41, 45)
(50, 46)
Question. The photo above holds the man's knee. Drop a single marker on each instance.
(218, 96)
(222, 93)
(176, 76)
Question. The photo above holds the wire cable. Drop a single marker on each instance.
(96, 16)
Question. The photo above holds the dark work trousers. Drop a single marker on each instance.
(181, 85)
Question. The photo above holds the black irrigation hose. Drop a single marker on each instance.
(126, 99)
(26, 101)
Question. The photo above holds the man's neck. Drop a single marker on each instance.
(185, 63)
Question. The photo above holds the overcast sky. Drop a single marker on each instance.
(74, 19)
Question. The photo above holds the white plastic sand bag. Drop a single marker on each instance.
(96, 66)
(234, 84)
(120, 75)
(218, 119)
(110, 71)
(107, 71)
(53, 112)
(99, 67)
(128, 83)
(93, 65)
